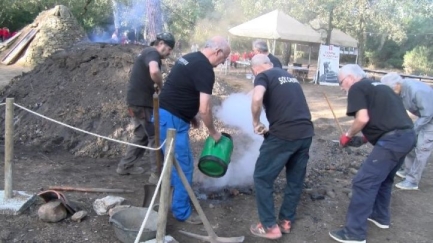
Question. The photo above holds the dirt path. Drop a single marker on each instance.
(36, 169)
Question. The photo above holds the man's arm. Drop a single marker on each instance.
(424, 103)
(205, 111)
(155, 73)
(257, 102)
(361, 119)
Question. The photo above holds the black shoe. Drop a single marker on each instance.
(341, 236)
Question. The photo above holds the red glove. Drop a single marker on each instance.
(344, 140)
(364, 139)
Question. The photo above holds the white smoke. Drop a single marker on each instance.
(235, 111)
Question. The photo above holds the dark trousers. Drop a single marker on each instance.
(372, 185)
(144, 134)
(275, 154)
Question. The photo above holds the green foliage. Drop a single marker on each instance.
(419, 61)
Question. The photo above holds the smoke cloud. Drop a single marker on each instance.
(235, 111)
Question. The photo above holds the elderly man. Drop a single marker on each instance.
(145, 73)
(286, 144)
(188, 91)
(380, 115)
(260, 47)
(418, 99)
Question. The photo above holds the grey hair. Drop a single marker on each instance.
(261, 46)
(354, 70)
(217, 42)
(260, 59)
(392, 79)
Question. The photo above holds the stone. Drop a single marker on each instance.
(52, 211)
(103, 205)
(78, 216)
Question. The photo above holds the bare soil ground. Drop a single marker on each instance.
(83, 88)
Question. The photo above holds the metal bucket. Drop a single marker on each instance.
(127, 223)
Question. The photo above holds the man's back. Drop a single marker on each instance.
(285, 105)
(385, 108)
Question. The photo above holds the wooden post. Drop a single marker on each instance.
(158, 153)
(335, 117)
(164, 199)
(9, 146)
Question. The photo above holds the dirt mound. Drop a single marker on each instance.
(85, 87)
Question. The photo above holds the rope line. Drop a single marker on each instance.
(90, 133)
(158, 185)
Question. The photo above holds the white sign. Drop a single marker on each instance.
(329, 60)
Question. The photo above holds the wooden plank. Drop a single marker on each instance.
(10, 40)
(19, 47)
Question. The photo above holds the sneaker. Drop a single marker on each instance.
(401, 174)
(341, 236)
(406, 185)
(134, 170)
(272, 233)
(285, 226)
(382, 226)
(153, 178)
(194, 218)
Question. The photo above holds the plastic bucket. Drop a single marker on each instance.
(215, 157)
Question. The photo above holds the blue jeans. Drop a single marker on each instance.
(275, 154)
(372, 185)
(181, 206)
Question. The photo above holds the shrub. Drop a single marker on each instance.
(419, 61)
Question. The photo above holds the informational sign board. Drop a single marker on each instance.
(328, 65)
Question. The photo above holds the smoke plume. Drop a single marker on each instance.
(235, 111)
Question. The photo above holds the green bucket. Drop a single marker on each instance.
(215, 157)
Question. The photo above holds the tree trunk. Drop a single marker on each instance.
(154, 19)
(382, 42)
(362, 36)
(330, 26)
(287, 49)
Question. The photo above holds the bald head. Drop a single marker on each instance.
(260, 63)
(216, 50)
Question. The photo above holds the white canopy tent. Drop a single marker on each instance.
(277, 25)
(339, 38)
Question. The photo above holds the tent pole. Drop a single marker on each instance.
(309, 55)
(273, 48)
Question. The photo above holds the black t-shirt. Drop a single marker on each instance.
(140, 88)
(191, 75)
(385, 108)
(285, 105)
(275, 61)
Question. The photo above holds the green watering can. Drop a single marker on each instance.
(215, 157)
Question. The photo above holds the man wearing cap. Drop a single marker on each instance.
(145, 73)
(417, 98)
(186, 93)
(260, 47)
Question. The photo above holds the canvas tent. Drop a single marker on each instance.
(339, 38)
(277, 26)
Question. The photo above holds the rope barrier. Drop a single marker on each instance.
(158, 185)
(90, 133)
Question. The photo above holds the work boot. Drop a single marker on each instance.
(285, 226)
(134, 170)
(194, 218)
(342, 236)
(271, 233)
(406, 185)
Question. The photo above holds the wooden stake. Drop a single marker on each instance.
(9, 147)
(164, 199)
(158, 154)
(335, 117)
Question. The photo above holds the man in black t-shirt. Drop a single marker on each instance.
(380, 115)
(186, 92)
(260, 47)
(146, 72)
(286, 144)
